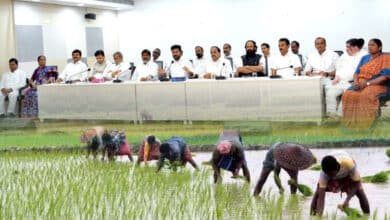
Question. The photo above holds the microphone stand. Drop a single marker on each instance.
(279, 76)
(220, 77)
(68, 77)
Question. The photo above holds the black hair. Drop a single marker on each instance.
(265, 45)
(151, 140)
(285, 40)
(377, 42)
(176, 46)
(321, 38)
(13, 60)
(199, 47)
(295, 42)
(99, 53)
(40, 57)
(217, 48)
(356, 42)
(77, 51)
(164, 148)
(118, 54)
(330, 164)
(251, 41)
(145, 51)
(230, 46)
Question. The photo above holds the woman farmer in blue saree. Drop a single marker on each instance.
(229, 155)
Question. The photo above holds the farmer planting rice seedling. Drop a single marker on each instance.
(339, 174)
(229, 155)
(290, 157)
(93, 138)
(175, 150)
(115, 143)
(149, 150)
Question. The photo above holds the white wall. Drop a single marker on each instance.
(64, 30)
(213, 22)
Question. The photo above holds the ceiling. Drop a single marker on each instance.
(117, 5)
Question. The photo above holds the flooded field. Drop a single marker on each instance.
(47, 186)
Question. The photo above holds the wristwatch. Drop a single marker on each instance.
(368, 83)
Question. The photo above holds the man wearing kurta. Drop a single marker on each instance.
(10, 84)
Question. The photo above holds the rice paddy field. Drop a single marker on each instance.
(66, 185)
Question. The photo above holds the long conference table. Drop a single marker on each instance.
(291, 99)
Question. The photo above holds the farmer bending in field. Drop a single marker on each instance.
(176, 151)
(229, 155)
(150, 149)
(288, 156)
(339, 174)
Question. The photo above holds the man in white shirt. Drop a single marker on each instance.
(295, 50)
(234, 62)
(199, 63)
(266, 59)
(345, 71)
(323, 62)
(99, 67)
(156, 55)
(147, 70)
(74, 71)
(178, 67)
(217, 66)
(286, 64)
(119, 70)
(10, 84)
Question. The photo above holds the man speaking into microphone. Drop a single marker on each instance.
(74, 71)
(286, 64)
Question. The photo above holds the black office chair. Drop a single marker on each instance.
(339, 52)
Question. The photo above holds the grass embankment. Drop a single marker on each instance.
(66, 134)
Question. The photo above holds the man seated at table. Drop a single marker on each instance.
(10, 84)
(295, 50)
(322, 62)
(234, 61)
(251, 65)
(147, 70)
(101, 64)
(178, 67)
(119, 69)
(74, 71)
(217, 66)
(286, 64)
(199, 63)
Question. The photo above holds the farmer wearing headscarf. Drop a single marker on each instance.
(175, 150)
(229, 155)
(150, 149)
(339, 174)
(288, 156)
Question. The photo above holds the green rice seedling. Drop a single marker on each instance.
(381, 177)
(305, 190)
(351, 212)
(316, 167)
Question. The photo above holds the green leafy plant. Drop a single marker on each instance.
(305, 190)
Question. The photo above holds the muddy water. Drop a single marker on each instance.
(369, 162)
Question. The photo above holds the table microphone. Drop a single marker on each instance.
(282, 68)
(220, 77)
(70, 81)
(165, 79)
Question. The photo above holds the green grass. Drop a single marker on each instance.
(53, 186)
(66, 134)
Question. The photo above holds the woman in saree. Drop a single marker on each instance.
(42, 75)
(361, 101)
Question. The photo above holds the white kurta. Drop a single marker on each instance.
(175, 69)
(149, 70)
(74, 71)
(124, 74)
(11, 80)
(285, 65)
(200, 66)
(345, 70)
(322, 62)
(221, 67)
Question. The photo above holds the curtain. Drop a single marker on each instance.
(7, 34)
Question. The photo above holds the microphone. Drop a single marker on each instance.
(70, 81)
(164, 79)
(286, 67)
(220, 77)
